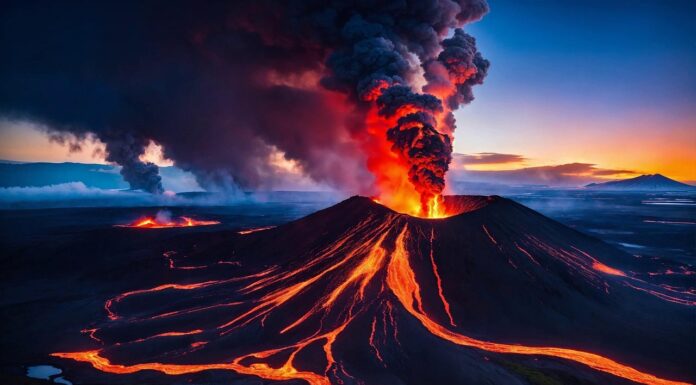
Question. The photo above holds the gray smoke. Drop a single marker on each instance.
(223, 86)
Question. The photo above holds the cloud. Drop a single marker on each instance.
(462, 160)
(563, 175)
(610, 172)
(10, 196)
(77, 194)
(66, 191)
(576, 169)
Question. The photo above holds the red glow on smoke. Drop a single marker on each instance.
(391, 171)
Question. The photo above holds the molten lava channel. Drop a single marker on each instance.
(367, 272)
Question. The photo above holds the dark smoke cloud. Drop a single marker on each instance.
(222, 86)
(465, 65)
(125, 150)
(396, 97)
(428, 151)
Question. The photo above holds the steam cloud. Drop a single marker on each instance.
(223, 86)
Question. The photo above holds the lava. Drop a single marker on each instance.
(169, 256)
(394, 169)
(168, 334)
(525, 252)
(371, 271)
(687, 298)
(406, 201)
(402, 281)
(606, 269)
(155, 223)
(254, 230)
(373, 329)
(175, 286)
(440, 291)
(410, 162)
(488, 234)
(110, 302)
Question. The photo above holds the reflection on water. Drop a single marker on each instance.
(47, 372)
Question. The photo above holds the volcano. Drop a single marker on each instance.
(360, 294)
(654, 182)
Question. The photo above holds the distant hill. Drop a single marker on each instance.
(651, 182)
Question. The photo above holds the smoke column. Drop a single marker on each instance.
(359, 95)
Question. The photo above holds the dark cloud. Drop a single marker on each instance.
(223, 86)
(610, 172)
(465, 65)
(570, 174)
(486, 158)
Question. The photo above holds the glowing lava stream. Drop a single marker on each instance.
(402, 281)
(254, 230)
(367, 263)
(440, 292)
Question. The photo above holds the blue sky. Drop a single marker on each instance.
(607, 84)
(570, 80)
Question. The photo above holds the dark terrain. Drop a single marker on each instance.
(60, 266)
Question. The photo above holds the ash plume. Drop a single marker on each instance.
(465, 66)
(125, 150)
(427, 151)
(224, 87)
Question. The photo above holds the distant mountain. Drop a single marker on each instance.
(651, 182)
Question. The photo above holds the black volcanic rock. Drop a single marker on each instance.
(341, 281)
(654, 182)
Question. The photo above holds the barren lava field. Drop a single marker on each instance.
(355, 293)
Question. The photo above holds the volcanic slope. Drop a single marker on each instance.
(358, 293)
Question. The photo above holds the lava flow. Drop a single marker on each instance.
(353, 298)
(155, 223)
(254, 230)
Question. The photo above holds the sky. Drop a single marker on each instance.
(605, 84)
(27, 141)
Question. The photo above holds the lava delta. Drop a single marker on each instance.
(360, 294)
